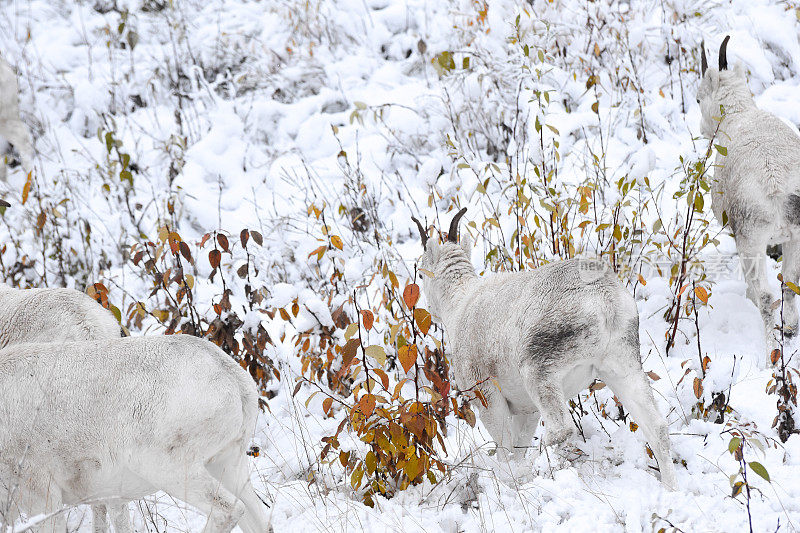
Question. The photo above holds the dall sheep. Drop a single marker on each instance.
(544, 335)
(57, 314)
(117, 419)
(757, 185)
(14, 135)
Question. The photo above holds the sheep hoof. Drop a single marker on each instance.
(557, 436)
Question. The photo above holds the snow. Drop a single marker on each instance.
(258, 100)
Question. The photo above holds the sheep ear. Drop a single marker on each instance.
(713, 76)
(432, 249)
(739, 70)
(466, 244)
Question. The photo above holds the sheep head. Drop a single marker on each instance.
(720, 86)
(444, 264)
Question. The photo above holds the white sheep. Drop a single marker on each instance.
(52, 314)
(45, 315)
(544, 335)
(14, 135)
(117, 420)
(757, 184)
(56, 314)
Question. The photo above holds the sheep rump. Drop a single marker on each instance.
(175, 438)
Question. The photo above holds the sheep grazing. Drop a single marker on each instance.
(119, 419)
(15, 139)
(757, 185)
(544, 335)
(87, 422)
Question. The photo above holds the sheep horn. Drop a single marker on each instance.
(723, 54)
(3, 203)
(452, 234)
(703, 60)
(422, 233)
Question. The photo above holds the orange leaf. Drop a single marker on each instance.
(26, 189)
(411, 295)
(698, 388)
(423, 320)
(367, 404)
(319, 252)
(701, 293)
(383, 376)
(367, 319)
(408, 356)
(775, 356)
(336, 241)
(327, 403)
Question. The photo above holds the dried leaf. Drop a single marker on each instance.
(698, 388)
(408, 356)
(423, 320)
(411, 295)
(701, 293)
(367, 318)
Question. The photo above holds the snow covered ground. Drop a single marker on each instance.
(244, 114)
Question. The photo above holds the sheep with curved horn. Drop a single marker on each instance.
(756, 186)
(544, 335)
(14, 135)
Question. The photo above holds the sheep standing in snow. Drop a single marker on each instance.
(544, 335)
(55, 314)
(14, 135)
(119, 419)
(46, 315)
(757, 184)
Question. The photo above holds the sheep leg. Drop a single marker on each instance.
(231, 467)
(754, 266)
(120, 517)
(636, 395)
(791, 272)
(99, 519)
(524, 428)
(199, 489)
(496, 417)
(552, 403)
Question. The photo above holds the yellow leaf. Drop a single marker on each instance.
(423, 320)
(377, 353)
(408, 356)
(336, 241)
(412, 467)
(350, 331)
(701, 293)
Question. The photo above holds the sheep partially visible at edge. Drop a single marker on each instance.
(756, 184)
(14, 134)
(65, 315)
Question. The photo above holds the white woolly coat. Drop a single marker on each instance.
(119, 425)
(758, 182)
(49, 315)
